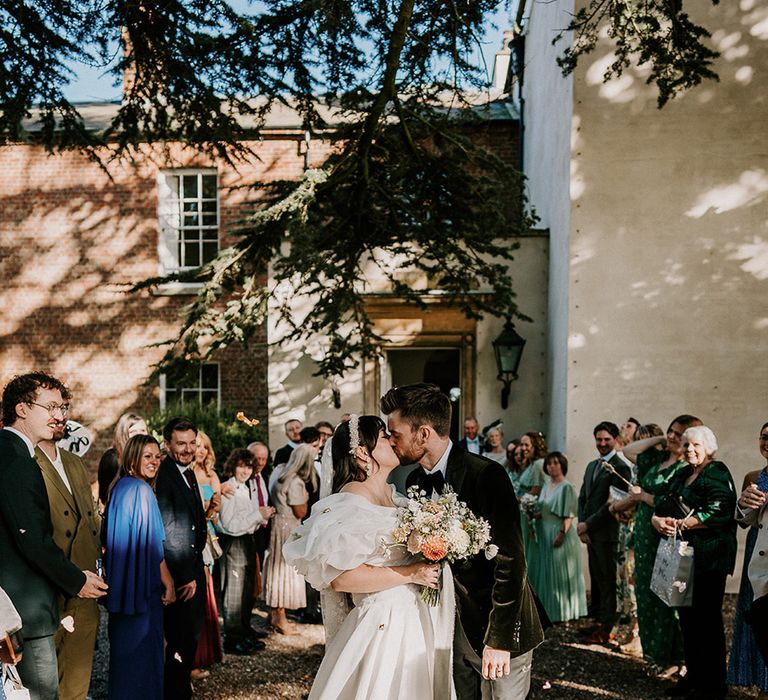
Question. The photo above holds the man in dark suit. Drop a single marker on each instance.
(497, 625)
(76, 527)
(33, 569)
(471, 440)
(181, 506)
(293, 429)
(599, 530)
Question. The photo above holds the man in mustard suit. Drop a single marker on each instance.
(76, 526)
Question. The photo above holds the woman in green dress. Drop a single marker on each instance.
(558, 578)
(660, 634)
(528, 489)
(700, 504)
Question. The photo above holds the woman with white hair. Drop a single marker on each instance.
(700, 503)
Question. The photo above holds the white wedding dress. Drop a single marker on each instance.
(391, 645)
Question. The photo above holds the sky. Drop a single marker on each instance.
(95, 85)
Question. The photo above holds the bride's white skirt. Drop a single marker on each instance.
(386, 649)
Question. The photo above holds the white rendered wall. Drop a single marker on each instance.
(547, 165)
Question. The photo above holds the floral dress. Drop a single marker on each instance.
(626, 601)
(660, 633)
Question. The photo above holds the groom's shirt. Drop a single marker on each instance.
(441, 466)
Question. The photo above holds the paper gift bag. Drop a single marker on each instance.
(672, 578)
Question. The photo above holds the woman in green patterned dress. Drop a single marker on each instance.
(660, 634)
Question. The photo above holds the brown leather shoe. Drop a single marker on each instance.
(599, 636)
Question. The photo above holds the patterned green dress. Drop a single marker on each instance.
(659, 627)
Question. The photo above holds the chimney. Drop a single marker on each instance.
(501, 63)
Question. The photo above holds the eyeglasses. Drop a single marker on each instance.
(52, 407)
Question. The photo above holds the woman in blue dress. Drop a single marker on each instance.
(139, 581)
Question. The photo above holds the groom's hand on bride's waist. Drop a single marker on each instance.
(495, 663)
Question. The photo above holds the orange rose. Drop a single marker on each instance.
(433, 548)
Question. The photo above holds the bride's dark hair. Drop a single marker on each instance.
(345, 467)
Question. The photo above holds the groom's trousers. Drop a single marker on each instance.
(468, 679)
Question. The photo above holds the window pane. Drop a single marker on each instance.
(210, 376)
(190, 185)
(209, 219)
(210, 250)
(191, 254)
(190, 206)
(209, 186)
(191, 220)
(209, 205)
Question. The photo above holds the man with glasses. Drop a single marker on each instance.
(34, 569)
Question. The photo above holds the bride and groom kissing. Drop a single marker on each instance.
(478, 642)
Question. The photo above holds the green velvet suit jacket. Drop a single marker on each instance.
(494, 599)
(33, 570)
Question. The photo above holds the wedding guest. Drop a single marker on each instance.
(33, 569)
(534, 449)
(311, 436)
(658, 457)
(76, 526)
(239, 518)
(260, 493)
(471, 440)
(557, 577)
(209, 650)
(181, 506)
(599, 530)
(137, 575)
(293, 433)
(284, 587)
(515, 463)
(494, 440)
(532, 478)
(700, 503)
(746, 666)
(629, 430)
(326, 431)
(128, 425)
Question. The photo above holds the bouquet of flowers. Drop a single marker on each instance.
(441, 530)
(531, 506)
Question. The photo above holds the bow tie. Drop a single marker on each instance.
(434, 481)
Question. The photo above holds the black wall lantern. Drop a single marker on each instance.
(508, 348)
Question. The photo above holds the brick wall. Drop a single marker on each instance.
(72, 237)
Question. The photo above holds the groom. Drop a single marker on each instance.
(497, 626)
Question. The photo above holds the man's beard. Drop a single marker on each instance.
(180, 460)
(59, 432)
(412, 455)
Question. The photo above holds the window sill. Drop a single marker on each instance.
(173, 289)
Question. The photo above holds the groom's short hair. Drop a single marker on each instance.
(420, 404)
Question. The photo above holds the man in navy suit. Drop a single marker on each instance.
(181, 506)
(33, 569)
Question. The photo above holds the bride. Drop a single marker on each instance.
(391, 644)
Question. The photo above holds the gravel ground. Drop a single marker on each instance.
(564, 669)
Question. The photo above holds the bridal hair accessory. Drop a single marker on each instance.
(354, 433)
